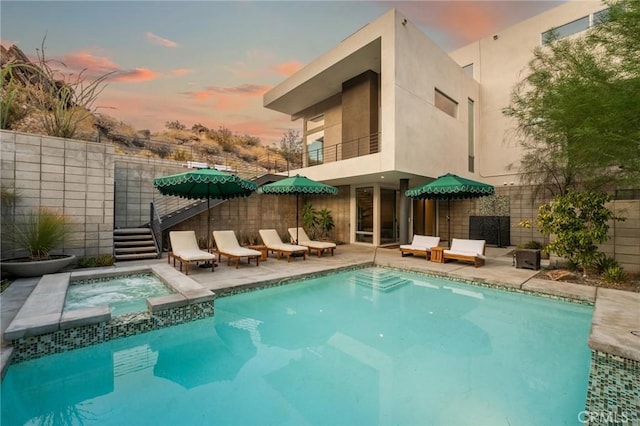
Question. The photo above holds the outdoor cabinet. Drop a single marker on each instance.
(528, 259)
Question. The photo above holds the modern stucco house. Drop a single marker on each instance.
(387, 109)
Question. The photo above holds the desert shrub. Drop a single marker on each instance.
(614, 274)
(105, 260)
(602, 263)
(87, 262)
(160, 150)
(182, 155)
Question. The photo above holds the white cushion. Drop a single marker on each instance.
(422, 242)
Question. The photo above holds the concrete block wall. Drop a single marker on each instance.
(73, 177)
(134, 190)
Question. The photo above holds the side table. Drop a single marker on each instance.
(262, 249)
(436, 254)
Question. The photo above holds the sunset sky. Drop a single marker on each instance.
(210, 62)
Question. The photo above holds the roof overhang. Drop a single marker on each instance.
(322, 79)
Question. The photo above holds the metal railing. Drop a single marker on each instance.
(155, 224)
(359, 147)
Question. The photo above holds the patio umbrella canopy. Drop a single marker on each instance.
(205, 184)
(450, 187)
(298, 185)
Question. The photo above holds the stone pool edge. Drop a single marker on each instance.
(42, 328)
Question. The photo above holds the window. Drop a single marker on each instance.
(445, 104)
(315, 148)
(471, 136)
(468, 69)
(315, 123)
(565, 30)
(364, 212)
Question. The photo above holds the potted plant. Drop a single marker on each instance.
(42, 232)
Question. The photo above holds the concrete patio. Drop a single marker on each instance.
(615, 317)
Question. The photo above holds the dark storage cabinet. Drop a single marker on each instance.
(495, 230)
(528, 259)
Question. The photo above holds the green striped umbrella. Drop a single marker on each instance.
(450, 187)
(204, 184)
(298, 185)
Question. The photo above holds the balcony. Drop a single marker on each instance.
(359, 147)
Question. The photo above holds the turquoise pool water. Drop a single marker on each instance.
(408, 349)
(124, 295)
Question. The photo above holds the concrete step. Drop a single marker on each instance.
(133, 243)
(128, 231)
(142, 249)
(136, 256)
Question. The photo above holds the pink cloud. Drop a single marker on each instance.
(85, 60)
(181, 71)
(160, 40)
(137, 74)
(286, 69)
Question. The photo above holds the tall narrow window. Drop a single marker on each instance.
(468, 69)
(315, 140)
(471, 136)
(364, 212)
(445, 104)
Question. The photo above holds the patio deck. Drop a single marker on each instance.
(613, 331)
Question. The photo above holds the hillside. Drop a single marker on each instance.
(34, 101)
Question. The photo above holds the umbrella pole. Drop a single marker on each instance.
(297, 236)
(449, 221)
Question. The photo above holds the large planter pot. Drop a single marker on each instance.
(29, 268)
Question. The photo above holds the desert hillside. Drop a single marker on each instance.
(34, 101)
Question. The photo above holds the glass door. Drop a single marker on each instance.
(388, 216)
(364, 215)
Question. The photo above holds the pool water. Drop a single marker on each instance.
(125, 294)
(332, 350)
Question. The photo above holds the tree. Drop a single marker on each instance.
(577, 110)
(291, 147)
(579, 221)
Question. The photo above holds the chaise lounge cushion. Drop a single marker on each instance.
(304, 240)
(227, 245)
(466, 250)
(421, 244)
(184, 247)
(274, 243)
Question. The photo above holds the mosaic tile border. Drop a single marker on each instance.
(59, 341)
(613, 395)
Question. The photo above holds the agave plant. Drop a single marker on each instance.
(42, 231)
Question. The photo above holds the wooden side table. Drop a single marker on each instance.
(436, 254)
(262, 249)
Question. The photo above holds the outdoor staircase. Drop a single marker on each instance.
(134, 244)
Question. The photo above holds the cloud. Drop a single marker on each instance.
(181, 71)
(286, 69)
(231, 97)
(135, 75)
(160, 40)
(78, 61)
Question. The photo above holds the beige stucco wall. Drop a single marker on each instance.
(75, 178)
(498, 65)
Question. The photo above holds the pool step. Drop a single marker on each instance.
(134, 244)
(379, 279)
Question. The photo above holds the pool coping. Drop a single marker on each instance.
(43, 311)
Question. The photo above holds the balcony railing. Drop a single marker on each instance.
(365, 145)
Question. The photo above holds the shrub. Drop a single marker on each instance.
(182, 155)
(614, 274)
(105, 260)
(87, 262)
(40, 232)
(603, 263)
(532, 245)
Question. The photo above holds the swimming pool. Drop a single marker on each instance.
(331, 350)
(123, 294)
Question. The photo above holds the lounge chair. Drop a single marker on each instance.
(274, 244)
(184, 248)
(466, 251)
(420, 245)
(227, 245)
(304, 240)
